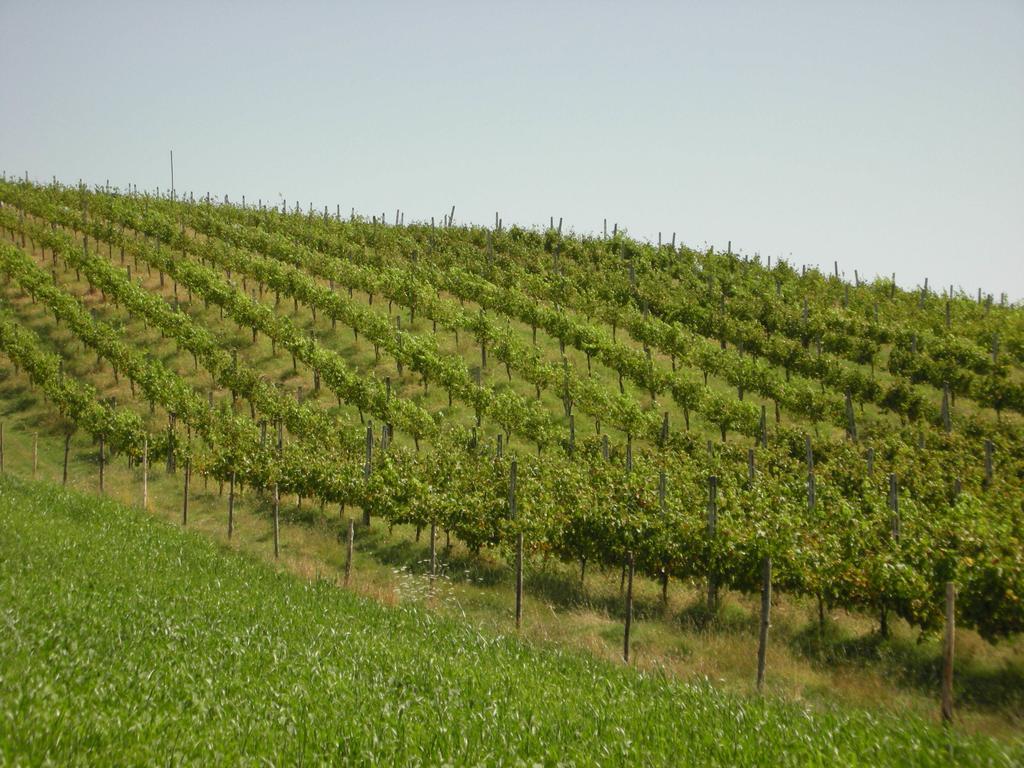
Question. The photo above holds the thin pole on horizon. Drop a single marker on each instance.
(172, 174)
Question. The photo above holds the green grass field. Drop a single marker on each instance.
(128, 641)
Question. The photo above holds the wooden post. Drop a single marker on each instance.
(366, 468)
(231, 505)
(894, 506)
(766, 609)
(712, 527)
(519, 543)
(277, 521)
(947, 654)
(35, 454)
(348, 555)
(101, 463)
(145, 470)
(433, 549)
(171, 444)
(662, 506)
(184, 501)
(629, 609)
(67, 450)
(519, 580)
(851, 422)
(810, 474)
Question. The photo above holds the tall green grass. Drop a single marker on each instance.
(126, 641)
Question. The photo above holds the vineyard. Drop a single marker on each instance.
(679, 414)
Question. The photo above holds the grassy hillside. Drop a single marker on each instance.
(868, 440)
(129, 641)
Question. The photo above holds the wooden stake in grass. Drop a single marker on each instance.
(101, 463)
(35, 454)
(231, 505)
(630, 562)
(663, 507)
(433, 549)
(348, 555)
(947, 654)
(367, 467)
(145, 471)
(67, 450)
(712, 527)
(894, 506)
(766, 608)
(277, 521)
(519, 543)
(851, 422)
(184, 496)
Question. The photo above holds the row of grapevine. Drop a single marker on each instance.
(368, 394)
(224, 367)
(802, 306)
(422, 295)
(672, 338)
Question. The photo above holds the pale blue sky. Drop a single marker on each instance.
(889, 136)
